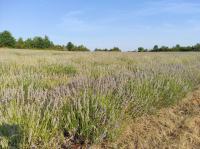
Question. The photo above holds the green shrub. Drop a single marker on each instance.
(61, 69)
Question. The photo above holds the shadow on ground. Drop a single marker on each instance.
(10, 136)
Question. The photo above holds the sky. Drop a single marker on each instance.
(127, 24)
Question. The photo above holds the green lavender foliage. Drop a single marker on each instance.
(55, 99)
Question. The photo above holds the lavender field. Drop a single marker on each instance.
(58, 99)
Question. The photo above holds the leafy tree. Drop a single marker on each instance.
(164, 49)
(59, 47)
(176, 48)
(115, 49)
(20, 44)
(141, 49)
(155, 48)
(197, 47)
(81, 48)
(38, 42)
(28, 43)
(100, 50)
(70, 46)
(7, 40)
(47, 43)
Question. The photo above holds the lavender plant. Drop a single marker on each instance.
(54, 99)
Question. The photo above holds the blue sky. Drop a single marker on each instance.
(127, 24)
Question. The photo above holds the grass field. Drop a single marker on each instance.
(55, 99)
(175, 127)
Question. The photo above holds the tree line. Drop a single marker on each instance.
(7, 40)
(176, 48)
(115, 49)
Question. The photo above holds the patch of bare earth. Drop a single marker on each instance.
(177, 127)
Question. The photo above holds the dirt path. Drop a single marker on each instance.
(177, 127)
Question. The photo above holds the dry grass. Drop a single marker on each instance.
(177, 127)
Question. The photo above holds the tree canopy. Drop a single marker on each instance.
(7, 40)
(115, 49)
(37, 42)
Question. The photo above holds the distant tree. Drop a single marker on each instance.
(115, 49)
(197, 47)
(47, 43)
(155, 48)
(164, 49)
(176, 48)
(59, 47)
(81, 48)
(7, 40)
(38, 42)
(28, 43)
(100, 50)
(70, 46)
(141, 49)
(188, 48)
(20, 44)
